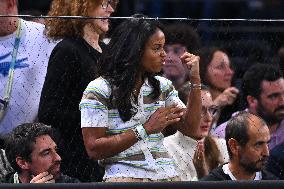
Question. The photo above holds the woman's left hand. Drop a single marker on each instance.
(192, 63)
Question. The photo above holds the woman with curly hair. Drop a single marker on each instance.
(125, 111)
(72, 65)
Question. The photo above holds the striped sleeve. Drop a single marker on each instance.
(171, 95)
(94, 104)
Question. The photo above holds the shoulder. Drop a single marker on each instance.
(68, 44)
(216, 174)
(165, 84)
(99, 86)
(163, 81)
(67, 51)
(33, 26)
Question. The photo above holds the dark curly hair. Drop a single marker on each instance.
(21, 140)
(184, 34)
(120, 63)
(251, 85)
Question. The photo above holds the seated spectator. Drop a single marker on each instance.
(197, 153)
(180, 38)
(263, 91)
(216, 72)
(247, 137)
(33, 155)
(275, 162)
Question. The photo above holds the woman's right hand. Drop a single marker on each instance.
(162, 118)
(227, 97)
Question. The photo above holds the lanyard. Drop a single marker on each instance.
(8, 88)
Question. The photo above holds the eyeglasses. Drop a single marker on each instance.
(112, 3)
(212, 110)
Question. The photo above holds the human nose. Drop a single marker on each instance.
(265, 151)
(57, 157)
(163, 53)
(282, 99)
(110, 9)
(229, 71)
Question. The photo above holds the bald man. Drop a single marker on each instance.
(247, 138)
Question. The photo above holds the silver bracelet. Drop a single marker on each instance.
(195, 86)
(136, 133)
(140, 132)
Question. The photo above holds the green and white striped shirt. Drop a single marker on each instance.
(145, 159)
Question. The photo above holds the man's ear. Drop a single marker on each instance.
(234, 146)
(22, 163)
(252, 102)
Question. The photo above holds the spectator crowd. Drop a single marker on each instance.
(151, 105)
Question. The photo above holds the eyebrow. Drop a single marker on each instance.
(47, 149)
(274, 94)
(262, 142)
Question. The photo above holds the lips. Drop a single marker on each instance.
(205, 127)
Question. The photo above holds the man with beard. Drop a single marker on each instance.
(263, 94)
(33, 155)
(247, 138)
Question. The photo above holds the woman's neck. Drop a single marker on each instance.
(214, 92)
(91, 37)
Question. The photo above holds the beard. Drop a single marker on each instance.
(269, 118)
(252, 167)
(56, 174)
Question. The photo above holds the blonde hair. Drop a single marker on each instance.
(58, 28)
